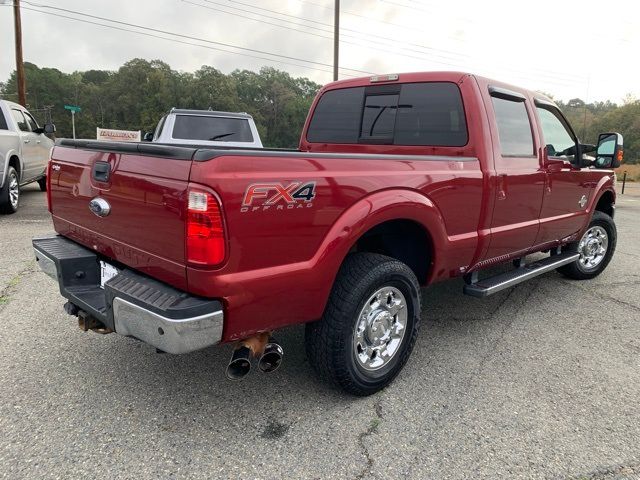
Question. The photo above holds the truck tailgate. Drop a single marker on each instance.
(145, 195)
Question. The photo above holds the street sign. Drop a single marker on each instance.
(73, 109)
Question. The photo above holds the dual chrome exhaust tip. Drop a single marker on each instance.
(269, 359)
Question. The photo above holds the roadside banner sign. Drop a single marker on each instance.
(118, 135)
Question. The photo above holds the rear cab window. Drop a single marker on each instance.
(426, 113)
(219, 129)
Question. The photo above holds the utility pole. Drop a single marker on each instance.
(22, 98)
(336, 40)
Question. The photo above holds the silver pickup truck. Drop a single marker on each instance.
(24, 152)
(206, 127)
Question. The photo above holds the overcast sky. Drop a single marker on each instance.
(585, 49)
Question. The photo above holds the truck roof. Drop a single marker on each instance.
(12, 104)
(211, 113)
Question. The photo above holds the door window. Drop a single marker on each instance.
(514, 128)
(31, 121)
(557, 137)
(20, 120)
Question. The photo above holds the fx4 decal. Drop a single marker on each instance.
(263, 196)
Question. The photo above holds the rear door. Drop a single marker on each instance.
(567, 186)
(518, 179)
(146, 194)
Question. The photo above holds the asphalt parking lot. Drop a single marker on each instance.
(542, 381)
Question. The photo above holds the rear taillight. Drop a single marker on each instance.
(205, 230)
(49, 182)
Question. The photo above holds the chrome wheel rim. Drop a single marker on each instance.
(14, 190)
(380, 328)
(593, 247)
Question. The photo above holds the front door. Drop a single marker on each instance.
(518, 179)
(567, 189)
(30, 149)
(42, 146)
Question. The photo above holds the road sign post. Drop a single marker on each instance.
(73, 109)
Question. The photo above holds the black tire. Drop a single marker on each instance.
(330, 341)
(577, 270)
(42, 183)
(6, 205)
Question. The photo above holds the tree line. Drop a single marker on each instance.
(140, 92)
(137, 95)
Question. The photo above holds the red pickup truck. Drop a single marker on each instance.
(399, 181)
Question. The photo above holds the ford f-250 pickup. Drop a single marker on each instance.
(399, 181)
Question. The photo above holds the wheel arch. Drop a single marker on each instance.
(12, 159)
(606, 202)
(387, 213)
(405, 240)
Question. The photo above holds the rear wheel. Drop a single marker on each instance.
(10, 192)
(369, 326)
(596, 248)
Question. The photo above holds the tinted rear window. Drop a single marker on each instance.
(3, 122)
(407, 114)
(219, 129)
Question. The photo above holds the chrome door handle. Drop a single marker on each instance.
(27, 140)
(37, 141)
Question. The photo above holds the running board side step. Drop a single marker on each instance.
(489, 286)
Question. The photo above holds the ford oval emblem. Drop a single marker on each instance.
(100, 207)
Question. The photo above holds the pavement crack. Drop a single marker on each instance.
(371, 429)
(604, 296)
(610, 473)
(10, 287)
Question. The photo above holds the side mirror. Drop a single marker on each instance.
(148, 137)
(610, 152)
(49, 128)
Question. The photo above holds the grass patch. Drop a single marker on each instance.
(633, 172)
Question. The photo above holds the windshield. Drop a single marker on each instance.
(222, 129)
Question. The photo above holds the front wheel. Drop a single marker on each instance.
(369, 326)
(42, 183)
(596, 248)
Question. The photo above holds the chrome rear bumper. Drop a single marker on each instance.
(131, 304)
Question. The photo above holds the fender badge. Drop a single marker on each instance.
(100, 207)
(583, 201)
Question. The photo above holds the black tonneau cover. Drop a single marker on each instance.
(197, 153)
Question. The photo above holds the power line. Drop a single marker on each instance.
(343, 28)
(541, 73)
(359, 44)
(224, 44)
(165, 32)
